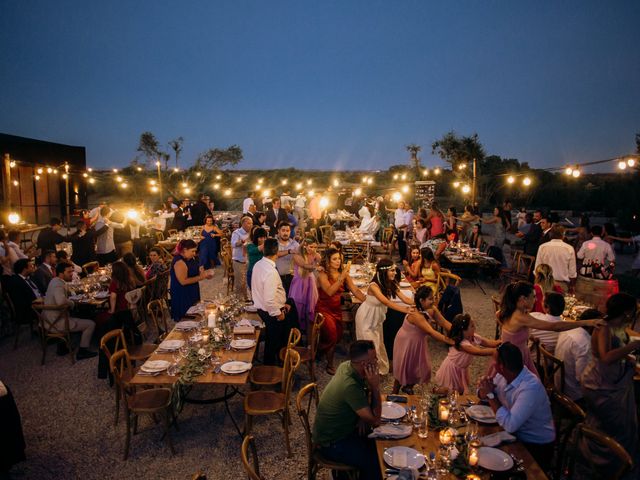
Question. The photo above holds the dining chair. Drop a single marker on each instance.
(551, 365)
(326, 232)
(308, 353)
(90, 267)
(566, 416)
(497, 301)
(253, 471)
(534, 347)
(604, 442)
(158, 312)
(271, 375)
(159, 236)
(153, 402)
(18, 322)
(56, 329)
(315, 459)
(172, 231)
(267, 402)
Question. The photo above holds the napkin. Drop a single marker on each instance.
(245, 322)
(483, 414)
(497, 438)
(239, 330)
(391, 431)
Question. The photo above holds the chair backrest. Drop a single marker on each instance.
(291, 364)
(387, 235)
(551, 366)
(326, 231)
(294, 337)
(120, 364)
(90, 267)
(614, 449)
(111, 342)
(159, 236)
(515, 260)
(314, 341)
(566, 416)
(59, 312)
(525, 265)
(303, 398)
(253, 471)
(159, 314)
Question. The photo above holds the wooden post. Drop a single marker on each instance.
(7, 181)
(473, 183)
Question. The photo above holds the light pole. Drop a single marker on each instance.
(473, 182)
(66, 189)
(159, 180)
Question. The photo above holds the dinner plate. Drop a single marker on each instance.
(251, 308)
(153, 366)
(481, 413)
(187, 325)
(242, 343)
(101, 295)
(494, 459)
(235, 367)
(171, 344)
(403, 457)
(393, 411)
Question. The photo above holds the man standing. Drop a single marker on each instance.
(105, 245)
(520, 403)
(275, 216)
(545, 226)
(49, 237)
(286, 199)
(199, 210)
(57, 294)
(45, 271)
(247, 202)
(270, 299)
(351, 404)
(239, 238)
(252, 214)
(532, 237)
(401, 225)
(560, 256)
(287, 248)
(299, 205)
(596, 249)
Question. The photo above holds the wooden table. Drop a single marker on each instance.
(432, 444)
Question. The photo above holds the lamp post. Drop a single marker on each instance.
(66, 189)
(473, 183)
(159, 181)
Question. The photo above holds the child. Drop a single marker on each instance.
(453, 374)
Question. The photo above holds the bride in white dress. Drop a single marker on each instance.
(372, 312)
(369, 224)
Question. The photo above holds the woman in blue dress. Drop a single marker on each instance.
(185, 275)
(210, 243)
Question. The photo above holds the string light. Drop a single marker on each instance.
(405, 189)
(395, 176)
(309, 182)
(622, 165)
(184, 184)
(526, 181)
(456, 184)
(39, 171)
(152, 182)
(466, 189)
(85, 174)
(12, 164)
(90, 169)
(462, 166)
(218, 177)
(369, 181)
(357, 192)
(575, 173)
(510, 179)
(157, 164)
(115, 170)
(124, 184)
(403, 176)
(298, 186)
(260, 180)
(15, 183)
(631, 162)
(284, 182)
(154, 189)
(227, 192)
(425, 172)
(238, 180)
(37, 177)
(336, 182)
(118, 178)
(55, 171)
(396, 197)
(13, 218)
(49, 170)
(324, 202)
(216, 186)
(198, 174)
(568, 171)
(65, 176)
(437, 171)
(92, 181)
(139, 169)
(187, 190)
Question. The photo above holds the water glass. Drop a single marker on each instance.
(471, 433)
(423, 427)
(173, 369)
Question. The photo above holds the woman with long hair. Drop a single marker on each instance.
(332, 282)
(498, 219)
(371, 314)
(254, 250)
(157, 264)
(451, 222)
(136, 270)
(411, 359)
(474, 239)
(515, 320)
(420, 232)
(122, 281)
(186, 274)
(303, 289)
(429, 270)
(437, 220)
(543, 282)
(607, 384)
(210, 244)
(412, 269)
(453, 373)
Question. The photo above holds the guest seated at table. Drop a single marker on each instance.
(157, 264)
(58, 294)
(439, 243)
(13, 241)
(474, 237)
(63, 257)
(210, 244)
(333, 281)
(83, 243)
(543, 282)
(412, 269)
(429, 269)
(520, 403)
(553, 307)
(136, 270)
(574, 349)
(411, 359)
(22, 290)
(349, 406)
(45, 271)
(607, 384)
(420, 231)
(186, 273)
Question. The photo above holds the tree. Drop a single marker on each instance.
(176, 146)
(149, 147)
(638, 143)
(458, 150)
(414, 149)
(216, 158)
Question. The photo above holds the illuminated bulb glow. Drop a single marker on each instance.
(396, 197)
(187, 190)
(357, 192)
(118, 178)
(395, 177)
(184, 184)
(298, 186)
(526, 181)
(456, 184)
(39, 171)
(369, 181)
(157, 164)
(405, 189)
(198, 174)
(238, 180)
(631, 162)
(12, 164)
(622, 165)
(85, 175)
(510, 179)
(227, 192)
(466, 189)
(260, 180)
(49, 170)
(92, 181)
(568, 171)
(89, 169)
(115, 170)
(13, 218)
(37, 177)
(132, 214)
(324, 202)
(216, 186)
(336, 183)
(309, 182)
(218, 177)
(576, 173)
(55, 171)
(152, 182)
(65, 176)
(124, 184)
(403, 176)
(139, 169)
(437, 171)
(15, 183)
(154, 189)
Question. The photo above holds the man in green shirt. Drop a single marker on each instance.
(349, 405)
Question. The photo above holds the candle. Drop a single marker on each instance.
(211, 320)
(443, 410)
(445, 436)
(473, 476)
(474, 445)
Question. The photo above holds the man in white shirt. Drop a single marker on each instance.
(560, 256)
(596, 249)
(270, 299)
(574, 349)
(299, 205)
(400, 222)
(247, 202)
(239, 239)
(14, 238)
(286, 199)
(105, 246)
(553, 308)
(287, 248)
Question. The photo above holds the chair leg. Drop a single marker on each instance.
(165, 418)
(248, 423)
(135, 424)
(117, 404)
(285, 424)
(127, 440)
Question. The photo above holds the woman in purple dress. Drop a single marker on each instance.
(303, 288)
(411, 359)
(186, 274)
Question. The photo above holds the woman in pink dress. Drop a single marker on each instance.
(303, 288)
(543, 282)
(411, 360)
(453, 374)
(436, 217)
(517, 301)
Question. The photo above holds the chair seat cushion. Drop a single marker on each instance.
(152, 399)
(265, 375)
(263, 402)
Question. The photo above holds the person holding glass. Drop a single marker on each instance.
(186, 273)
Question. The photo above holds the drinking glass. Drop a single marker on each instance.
(471, 432)
(423, 427)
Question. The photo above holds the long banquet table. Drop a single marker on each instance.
(432, 444)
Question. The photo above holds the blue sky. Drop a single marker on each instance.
(331, 84)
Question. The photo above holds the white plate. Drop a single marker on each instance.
(171, 344)
(405, 284)
(187, 325)
(101, 295)
(392, 411)
(251, 308)
(401, 457)
(153, 366)
(235, 368)
(494, 459)
(242, 343)
(76, 298)
(481, 413)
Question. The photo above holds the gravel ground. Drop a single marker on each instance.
(67, 416)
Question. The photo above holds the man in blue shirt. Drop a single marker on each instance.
(520, 403)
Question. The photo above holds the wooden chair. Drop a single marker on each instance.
(18, 323)
(271, 375)
(587, 433)
(110, 343)
(56, 329)
(566, 416)
(497, 301)
(523, 268)
(550, 366)
(90, 267)
(505, 273)
(313, 232)
(154, 401)
(308, 353)
(326, 232)
(159, 236)
(158, 312)
(536, 355)
(267, 402)
(253, 471)
(315, 460)
(172, 231)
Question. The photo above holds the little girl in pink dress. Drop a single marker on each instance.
(453, 374)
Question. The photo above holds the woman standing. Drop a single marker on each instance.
(420, 232)
(373, 310)
(437, 221)
(514, 318)
(332, 283)
(411, 359)
(254, 250)
(303, 289)
(500, 223)
(210, 243)
(607, 384)
(185, 275)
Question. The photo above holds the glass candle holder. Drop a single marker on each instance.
(444, 410)
(472, 458)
